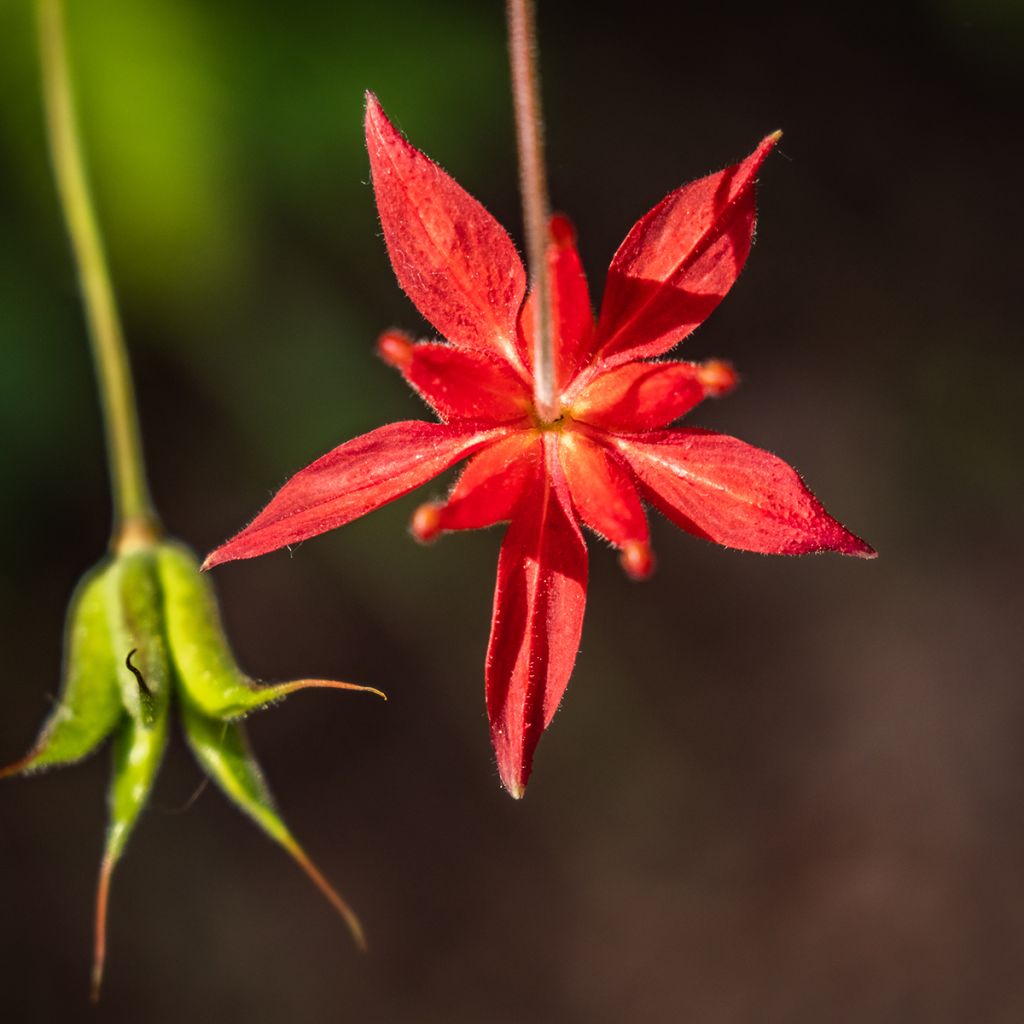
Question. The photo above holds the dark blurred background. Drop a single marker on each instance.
(779, 790)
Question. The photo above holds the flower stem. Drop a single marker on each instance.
(135, 521)
(522, 46)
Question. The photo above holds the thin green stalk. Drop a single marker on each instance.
(135, 521)
(522, 47)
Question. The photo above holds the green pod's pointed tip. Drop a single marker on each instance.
(138, 751)
(205, 665)
(274, 691)
(223, 752)
(99, 954)
(328, 891)
(17, 767)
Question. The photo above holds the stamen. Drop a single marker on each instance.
(637, 559)
(426, 522)
(717, 377)
(395, 348)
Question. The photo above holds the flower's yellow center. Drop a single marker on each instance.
(563, 422)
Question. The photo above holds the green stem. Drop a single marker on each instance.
(135, 521)
(522, 47)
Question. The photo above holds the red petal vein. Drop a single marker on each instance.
(462, 384)
(678, 261)
(724, 490)
(571, 313)
(492, 484)
(538, 618)
(602, 490)
(451, 257)
(354, 479)
(640, 396)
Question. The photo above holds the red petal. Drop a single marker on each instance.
(723, 490)
(351, 480)
(603, 493)
(678, 261)
(640, 396)
(451, 257)
(490, 488)
(538, 616)
(571, 312)
(458, 383)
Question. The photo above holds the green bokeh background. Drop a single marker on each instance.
(778, 790)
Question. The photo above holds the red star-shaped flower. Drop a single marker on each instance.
(606, 453)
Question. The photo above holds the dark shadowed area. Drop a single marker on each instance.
(779, 791)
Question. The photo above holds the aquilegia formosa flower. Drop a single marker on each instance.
(606, 453)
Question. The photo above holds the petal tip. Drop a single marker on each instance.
(375, 120)
(514, 776)
(373, 107)
(863, 550)
(561, 231)
(851, 545)
(848, 543)
(514, 788)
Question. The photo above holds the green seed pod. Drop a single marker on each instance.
(138, 751)
(90, 701)
(135, 605)
(137, 754)
(222, 749)
(139, 626)
(203, 662)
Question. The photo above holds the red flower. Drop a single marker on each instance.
(607, 453)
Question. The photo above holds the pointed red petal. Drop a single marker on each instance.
(538, 618)
(724, 490)
(571, 313)
(640, 396)
(451, 257)
(458, 383)
(605, 497)
(354, 479)
(490, 488)
(678, 261)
